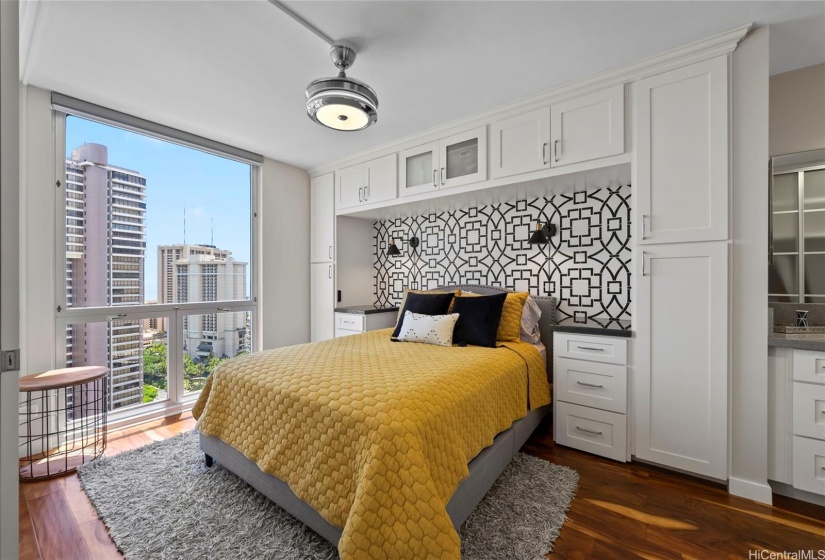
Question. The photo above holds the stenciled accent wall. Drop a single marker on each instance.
(586, 265)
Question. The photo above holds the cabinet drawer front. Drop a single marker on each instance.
(344, 332)
(809, 366)
(349, 322)
(591, 430)
(809, 464)
(592, 348)
(809, 410)
(592, 384)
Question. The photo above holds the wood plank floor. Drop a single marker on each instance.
(620, 511)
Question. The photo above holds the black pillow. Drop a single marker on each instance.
(478, 319)
(425, 304)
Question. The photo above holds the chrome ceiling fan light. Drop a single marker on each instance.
(342, 103)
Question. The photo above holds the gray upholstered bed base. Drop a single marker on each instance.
(484, 470)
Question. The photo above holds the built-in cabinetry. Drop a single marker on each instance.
(583, 128)
(796, 445)
(590, 393)
(682, 154)
(682, 268)
(322, 301)
(366, 183)
(322, 256)
(457, 160)
(349, 323)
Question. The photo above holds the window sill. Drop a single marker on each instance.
(141, 414)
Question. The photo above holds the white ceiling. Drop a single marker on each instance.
(235, 71)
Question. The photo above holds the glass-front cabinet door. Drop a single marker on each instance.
(463, 158)
(418, 170)
(797, 263)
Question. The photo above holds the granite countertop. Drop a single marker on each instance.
(814, 342)
(365, 309)
(597, 328)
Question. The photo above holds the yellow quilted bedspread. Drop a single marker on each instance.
(375, 435)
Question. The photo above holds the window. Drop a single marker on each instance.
(157, 246)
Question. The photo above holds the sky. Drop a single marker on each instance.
(207, 186)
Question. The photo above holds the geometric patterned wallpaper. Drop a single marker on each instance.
(586, 265)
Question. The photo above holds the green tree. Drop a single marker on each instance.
(154, 365)
(150, 393)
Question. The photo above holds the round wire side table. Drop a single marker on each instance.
(62, 420)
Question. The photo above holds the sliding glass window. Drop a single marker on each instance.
(156, 238)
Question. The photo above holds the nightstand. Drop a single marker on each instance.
(359, 319)
(590, 393)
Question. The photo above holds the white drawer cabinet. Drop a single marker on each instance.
(592, 430)
(591, 384)
(590, 393)
(796, 443)
(809, 465)
(588, 347)
(347, 324)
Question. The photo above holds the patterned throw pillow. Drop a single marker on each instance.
(429, 329)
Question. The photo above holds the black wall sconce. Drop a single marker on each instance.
(392, 250)
(543, 233)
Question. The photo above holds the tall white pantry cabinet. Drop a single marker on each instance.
(682, 188)
(322, 256)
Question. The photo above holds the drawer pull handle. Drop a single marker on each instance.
(602, 386)
(590, 348)
(585, 430)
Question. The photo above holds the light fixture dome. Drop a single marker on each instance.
(342, 103)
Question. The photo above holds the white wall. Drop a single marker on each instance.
(797, 109)
(9, 280)
(749, 317)
(284, 284)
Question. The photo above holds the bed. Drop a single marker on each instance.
(377, 475)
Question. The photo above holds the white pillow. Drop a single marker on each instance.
(429, 329)
(530, 315)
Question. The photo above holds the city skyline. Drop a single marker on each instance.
(205, 185)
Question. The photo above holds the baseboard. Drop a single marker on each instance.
(756, 491)
(789, 491)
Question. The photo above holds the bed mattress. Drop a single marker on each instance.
(373, 435)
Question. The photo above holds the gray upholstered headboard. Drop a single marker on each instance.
(546, 304)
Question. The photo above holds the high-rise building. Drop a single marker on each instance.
(105, 251)
(198, 273)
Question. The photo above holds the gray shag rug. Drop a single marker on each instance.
(160, 501)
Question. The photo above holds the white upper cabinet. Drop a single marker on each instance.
(366, 183)
(681, 355)
(520, 144)
(457, 160)
(380, 179)
(463, 158)
(418, 169)
(322, 200)
(587, 127)
(682, 154)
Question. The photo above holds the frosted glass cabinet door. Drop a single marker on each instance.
(682, 154)
(463, 158)
(418, 169)
(681, 372)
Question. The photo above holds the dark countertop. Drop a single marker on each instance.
(815, 342)
(597, 328)
(365, 309)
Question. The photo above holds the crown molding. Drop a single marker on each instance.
(717, 45)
